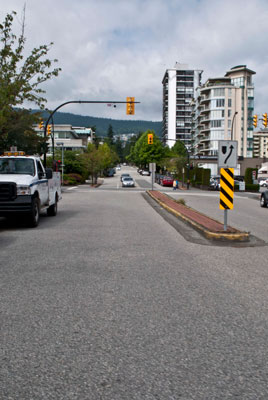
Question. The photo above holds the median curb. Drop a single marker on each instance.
(209, 227)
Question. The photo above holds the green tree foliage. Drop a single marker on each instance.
(110, 135)
(20, 79)
(96, 160)
(179, 149)
(143, 153)
(118, 147)
(19, 133)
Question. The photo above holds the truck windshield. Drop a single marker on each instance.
(16, 165)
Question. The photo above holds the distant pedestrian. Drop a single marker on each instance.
(174, 184)
(177, 184)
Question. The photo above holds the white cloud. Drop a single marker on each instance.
(112, 49)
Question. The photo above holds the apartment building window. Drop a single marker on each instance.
(219, 92)
(250, 92)
(217, 114)
(229, 113)
(229, 102)
(250, 103)
(63, 135)
(217, 123)
(238, 82)
(229, 92)
(220, 102)
(217, 134)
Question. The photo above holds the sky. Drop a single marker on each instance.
(111, 49)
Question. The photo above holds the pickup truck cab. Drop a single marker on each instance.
(27, 188)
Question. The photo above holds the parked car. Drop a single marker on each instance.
(128, 182)
(166, 181)
(118, 167)
(145, 173)
(264, 199)
(124, 176)
(215, 183)
(263, 183)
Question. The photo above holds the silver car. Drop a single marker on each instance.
(128, 182)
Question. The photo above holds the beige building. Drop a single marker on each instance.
(260, 143)
(73, 138)
(223, 110)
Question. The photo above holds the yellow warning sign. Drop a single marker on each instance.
(227, 189)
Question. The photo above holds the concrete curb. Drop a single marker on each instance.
(235, 235)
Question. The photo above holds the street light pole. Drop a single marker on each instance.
(233, 124)
(62, 160)
(79, 102)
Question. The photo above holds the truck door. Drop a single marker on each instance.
(43, 184)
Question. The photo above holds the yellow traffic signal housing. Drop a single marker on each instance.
(150, 138)
(255, 120)
(41, 124)
(130, 105)
(264, 120)
(49, 130)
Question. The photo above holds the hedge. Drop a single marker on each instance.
(252, 187)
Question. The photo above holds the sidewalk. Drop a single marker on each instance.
(210, 227)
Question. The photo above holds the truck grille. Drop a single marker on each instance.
(8, 191)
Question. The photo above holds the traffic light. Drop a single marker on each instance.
(150, 138)
(264, 120)
(49, 127)
(130, 105)
(41, 124)
(255, 120)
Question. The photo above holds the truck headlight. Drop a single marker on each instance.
(23, 190)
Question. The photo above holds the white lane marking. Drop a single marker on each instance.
(73, 187)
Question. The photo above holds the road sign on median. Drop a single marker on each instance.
(227, 154)
(227, 189)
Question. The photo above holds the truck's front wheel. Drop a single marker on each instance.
(35, 213)
(263, 201)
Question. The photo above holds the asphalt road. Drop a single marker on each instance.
(108, 301)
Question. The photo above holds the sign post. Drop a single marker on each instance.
(227, 161)
(152, 168)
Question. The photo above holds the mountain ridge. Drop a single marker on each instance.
(102, 124)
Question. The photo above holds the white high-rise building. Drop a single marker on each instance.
(179, 84)
(223, 110)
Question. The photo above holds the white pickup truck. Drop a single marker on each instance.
(26, 187)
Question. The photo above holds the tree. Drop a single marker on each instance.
(144, 153)
(110, 135)
(118, 147)
(179, 149)
(21, 134)
(20, 77)
(96, 160)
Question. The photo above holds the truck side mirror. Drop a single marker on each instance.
(49, 173)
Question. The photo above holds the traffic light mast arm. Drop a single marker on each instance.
(77, 102)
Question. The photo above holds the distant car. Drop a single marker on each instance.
(118, 167)
(128, 182)
(263, 183)
(145, 173)
(166, 181)
(109, 172)
(215, 183)
(124, 176)
(124, 164)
